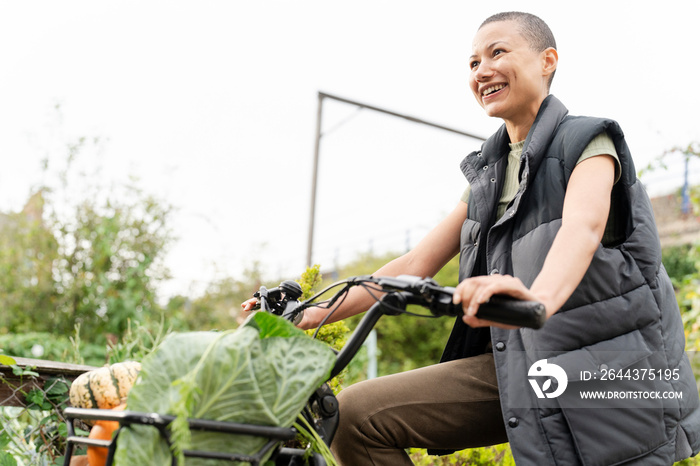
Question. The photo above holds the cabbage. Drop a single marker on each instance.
(262, 373)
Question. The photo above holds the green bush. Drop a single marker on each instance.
(486, 456)
(695, 461)
(497, 455)
(680, 262)
(44, 345)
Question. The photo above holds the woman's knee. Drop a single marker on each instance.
(353, 403)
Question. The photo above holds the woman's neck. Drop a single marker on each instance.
(519, 126)
(518, 132)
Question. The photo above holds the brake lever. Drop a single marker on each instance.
(261, 296)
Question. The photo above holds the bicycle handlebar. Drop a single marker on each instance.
(283, 300)
(500, 308)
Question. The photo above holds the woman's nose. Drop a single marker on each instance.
(483, 71)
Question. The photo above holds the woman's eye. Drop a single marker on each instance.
(497, 52)
(473, 64)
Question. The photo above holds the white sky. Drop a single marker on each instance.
(212, 104)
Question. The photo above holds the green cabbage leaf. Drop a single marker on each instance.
(261, 373)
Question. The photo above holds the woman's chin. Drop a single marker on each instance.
(493, 111)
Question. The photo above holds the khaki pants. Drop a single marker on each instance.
(453, 405)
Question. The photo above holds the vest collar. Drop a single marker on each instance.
(550, 115)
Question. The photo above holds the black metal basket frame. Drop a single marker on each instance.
(275, 435)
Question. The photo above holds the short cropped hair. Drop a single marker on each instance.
(535, 31)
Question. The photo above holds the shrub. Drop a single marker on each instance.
(44, 345)
(486, 456)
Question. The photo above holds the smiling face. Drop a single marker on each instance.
(508, 77)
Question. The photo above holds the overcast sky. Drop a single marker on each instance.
(212, 104)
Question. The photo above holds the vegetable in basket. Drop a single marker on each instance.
(261, 373)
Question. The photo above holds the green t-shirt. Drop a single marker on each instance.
(600, 145)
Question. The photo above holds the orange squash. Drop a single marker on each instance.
(102, 430)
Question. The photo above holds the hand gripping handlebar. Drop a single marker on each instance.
(500, 308)
(284, 300)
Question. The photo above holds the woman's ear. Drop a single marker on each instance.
(550, 59)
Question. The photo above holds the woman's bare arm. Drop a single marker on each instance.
(427, 258)
(585, 213)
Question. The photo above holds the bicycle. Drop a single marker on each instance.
(321, 411)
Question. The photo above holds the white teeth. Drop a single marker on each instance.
(493, 89)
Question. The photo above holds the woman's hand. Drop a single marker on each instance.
(248, 306)
(475, 291)
(312, 316)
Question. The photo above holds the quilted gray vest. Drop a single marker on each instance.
(622, 317)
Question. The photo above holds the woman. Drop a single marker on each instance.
(553, 213)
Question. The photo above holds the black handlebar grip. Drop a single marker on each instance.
(511, 311)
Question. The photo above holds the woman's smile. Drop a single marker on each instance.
(492, 90)
(509, 78)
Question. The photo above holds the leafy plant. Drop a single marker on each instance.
(334, 334)
(680, 262)
(37, 433)
(6, 459)
(138, 341)
(92, 259)
(262, 373)
(311, 437)
(497, 455)
(109, 262)
(7, 360)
